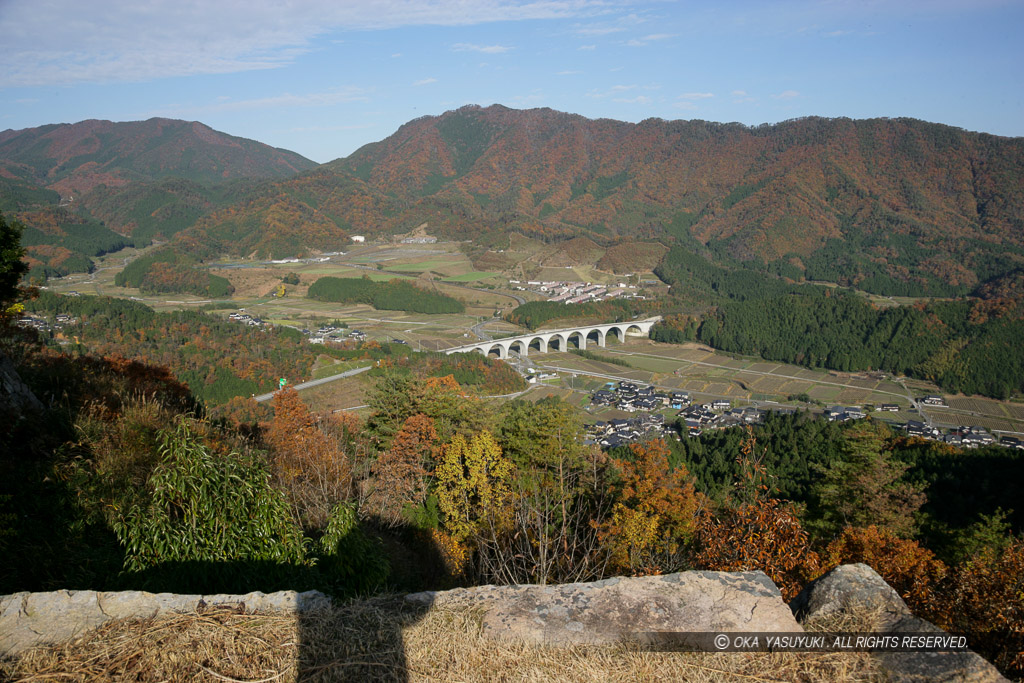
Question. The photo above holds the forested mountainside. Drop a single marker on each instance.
(92, 187)
(894, 202)
(894, 206)
(74, 158)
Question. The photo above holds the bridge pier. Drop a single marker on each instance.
(560, 338)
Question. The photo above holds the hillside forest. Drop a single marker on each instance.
(724, 213)
(122, 478)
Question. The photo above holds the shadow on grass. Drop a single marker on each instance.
(359, 640)
(352, 636)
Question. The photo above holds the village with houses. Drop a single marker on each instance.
(576, 292)
(693, 419)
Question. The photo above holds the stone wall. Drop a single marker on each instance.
(583, 613)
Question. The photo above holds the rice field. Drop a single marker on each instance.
(473, 276)
(423, 266)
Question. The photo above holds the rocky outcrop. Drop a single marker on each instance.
(581, 613)
(621, 608)
(16, 398)
(30, 619)
(858, 586)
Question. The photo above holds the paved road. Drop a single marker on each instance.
(479, 331)
(317, 382)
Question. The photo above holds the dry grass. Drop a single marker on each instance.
(387, 639)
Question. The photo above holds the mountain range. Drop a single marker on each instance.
(895, 206)
(87, 188)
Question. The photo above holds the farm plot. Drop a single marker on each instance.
(979, 407)
(770, 385)
(576, 363)
(655, 364)
(1015, 410)
(825, 394)
(423, 266)
(854, 396)
(344, 394)
(542, 391)
(764, 367)
(725, 389)
(990, 423)
(375, 275)
(473, 276)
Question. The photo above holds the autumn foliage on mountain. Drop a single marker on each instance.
(97, 186)
(823, 198)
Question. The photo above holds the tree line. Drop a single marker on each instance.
(967, 347)
(169, 271)
(393, 295)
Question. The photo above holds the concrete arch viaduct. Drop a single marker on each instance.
(558, 340)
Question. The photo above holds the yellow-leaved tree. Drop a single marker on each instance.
(473, 480)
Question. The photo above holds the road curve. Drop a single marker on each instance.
(317, 382)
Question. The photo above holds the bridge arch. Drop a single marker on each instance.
(520, 346)
(500, 348)
(596, 335)
(559, 340)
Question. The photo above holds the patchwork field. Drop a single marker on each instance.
(705, 373)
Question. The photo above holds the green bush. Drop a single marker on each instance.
(352, 562)
(210, 511)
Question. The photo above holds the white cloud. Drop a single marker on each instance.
(686, 100)
(568, 73)
(606, 28)
(587, 47)
(739, 93)
(646, 40)
(396, 55)
(786, 95)
(425, 81)
(486, 49)
(614, 90)
(54, 42)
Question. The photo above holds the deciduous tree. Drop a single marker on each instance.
(473, 485)
(656, 513)
(400, 473)
(310, 461)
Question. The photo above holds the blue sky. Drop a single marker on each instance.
(324, 77)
